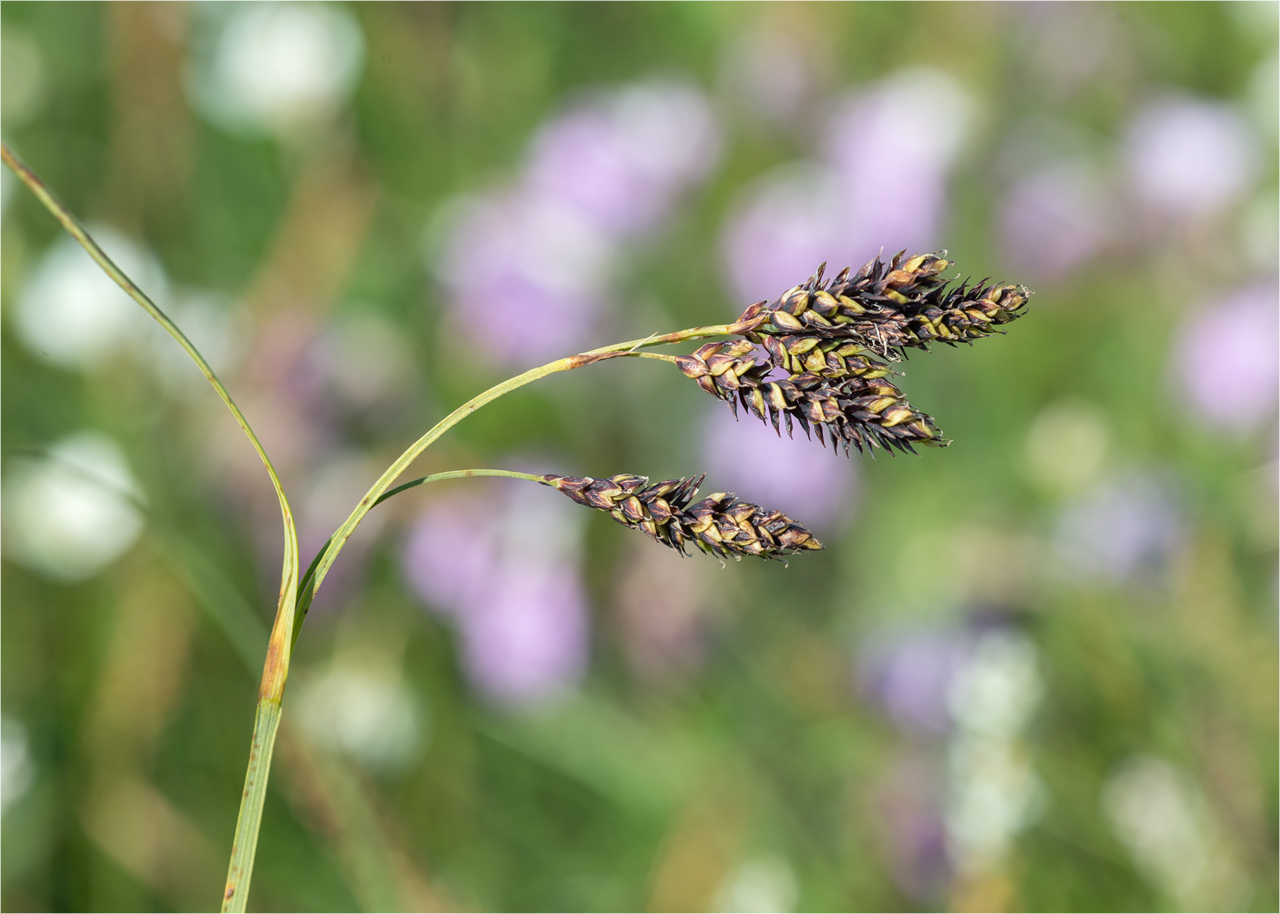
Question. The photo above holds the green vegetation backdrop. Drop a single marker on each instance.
(1036, 670)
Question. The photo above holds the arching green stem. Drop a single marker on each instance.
(305, 589)
(295, 597)
(276, 668)
(320, 567)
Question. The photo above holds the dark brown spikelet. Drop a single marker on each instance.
(885, 306)
(833, 359)
(721, 524)
(724, 525)
(856, 406)
(632, 502)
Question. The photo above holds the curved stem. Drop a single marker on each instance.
(320, 567)
(276, 668)
(77, 231)
(295, 598)
(306, 592)
(454, 474)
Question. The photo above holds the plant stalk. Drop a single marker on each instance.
(296, 597)
(379, 491)
(276, 668)
(268, 716)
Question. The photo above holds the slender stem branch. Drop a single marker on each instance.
(306, 592)
(77, 231)
(454, 474)
(295, 598)
(276, 668)
(320, 567)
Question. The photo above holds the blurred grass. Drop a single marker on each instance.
(134, 688)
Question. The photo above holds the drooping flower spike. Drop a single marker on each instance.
(720, 524)
(902, 304)
(819, 354)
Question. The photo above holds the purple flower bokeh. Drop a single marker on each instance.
(503, 567)
(533, 264)
(1188, 157)
(912, 828)
(621, 160)
(1237, 336)
(1054, 219)
(909, 673)
(780, 229)
(452, 551)
(528, 639)
(865, 194)
(799, 477)
(894, 161)
(1126, 529)
(529, 271)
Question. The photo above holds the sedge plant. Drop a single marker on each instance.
(819, 356)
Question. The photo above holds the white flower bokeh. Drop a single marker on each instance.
(70, 513)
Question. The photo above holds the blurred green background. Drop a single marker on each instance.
(1034, 671)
